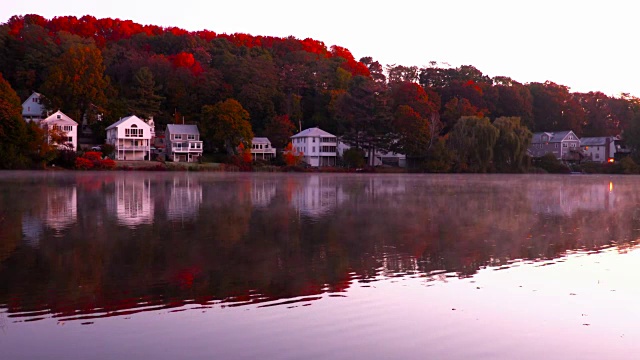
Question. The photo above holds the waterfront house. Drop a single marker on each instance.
(317, 146)
(604, 148)
(131, 138)
(565, 145)
(261, 148)
(66, 127)
(33, 109)
(183, 143)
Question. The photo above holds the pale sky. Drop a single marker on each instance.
(587, 46)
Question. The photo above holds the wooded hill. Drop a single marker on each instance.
(87, 66)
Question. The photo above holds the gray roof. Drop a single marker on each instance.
(260, 140)
(595, 141)
(554, 137)
(183, 129)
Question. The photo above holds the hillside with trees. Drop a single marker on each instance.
(443, 118)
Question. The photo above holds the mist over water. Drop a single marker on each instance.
(318, 265)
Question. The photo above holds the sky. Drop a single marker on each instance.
(586, 46)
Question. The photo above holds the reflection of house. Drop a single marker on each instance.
(565, 145)
(601, 149)
(62, 207)
(262, 192)
(131, 138)
(568, 198)
(317, 146)
(133, 202)
(318, 195)
(65, 127)
(261, 149)
(184, 199)
(32, 108)
(183, 143)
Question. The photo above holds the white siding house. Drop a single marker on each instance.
(65, 125)
(32, 108)
(599, 149)
(131, 138)
(261, 148)
(317, 146)
(183, 143)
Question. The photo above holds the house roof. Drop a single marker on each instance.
(34, 94)
(554, 137)
(312, 132)
(260, 140)
(183, 129)
(595, 141)
(59, 117)
(124, 119)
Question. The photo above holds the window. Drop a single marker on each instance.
(313, 149)
(314, 139)
(556, 146)
(564, 145)
(59, 117)
(177, 137)
(67, 128)
(597, 156)
(573, 144)
(191, 137)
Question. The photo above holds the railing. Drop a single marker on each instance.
(132, 147)
(263, 151)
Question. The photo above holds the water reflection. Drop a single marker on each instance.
(117, 243)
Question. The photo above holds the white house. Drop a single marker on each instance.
(261, 148)
(65, 125)
(131, 138)
(32, 108)
(183, 143)
(317, 146)
(599, 149)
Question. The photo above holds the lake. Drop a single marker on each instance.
(162, 265)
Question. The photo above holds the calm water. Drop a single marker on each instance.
(112, 265)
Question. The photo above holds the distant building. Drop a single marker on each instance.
(33, 109)
(565, 145)
(67, 127)
(131, 137)
(598, 149)
(183, 143)
(317, 146)
(261, 149)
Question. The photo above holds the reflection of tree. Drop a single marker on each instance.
(249, 239)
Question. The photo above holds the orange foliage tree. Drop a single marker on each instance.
(292, 157)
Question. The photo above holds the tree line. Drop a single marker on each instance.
(235, 86)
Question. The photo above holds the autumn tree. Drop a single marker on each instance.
(555, 109)
(13, 134)
(510, 152)
(279, 129)
(226, 125)
(76, 81)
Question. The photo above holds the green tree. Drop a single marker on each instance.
(473, 140)
(13, 136)
(146, 102)
(77, 81)
(510, 151)
(226, 125)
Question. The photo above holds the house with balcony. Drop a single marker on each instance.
(317, 146)
(565, 145)
(261, 149)
(66, 128)
(131, 138)
(183, 143)
(33, 109)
